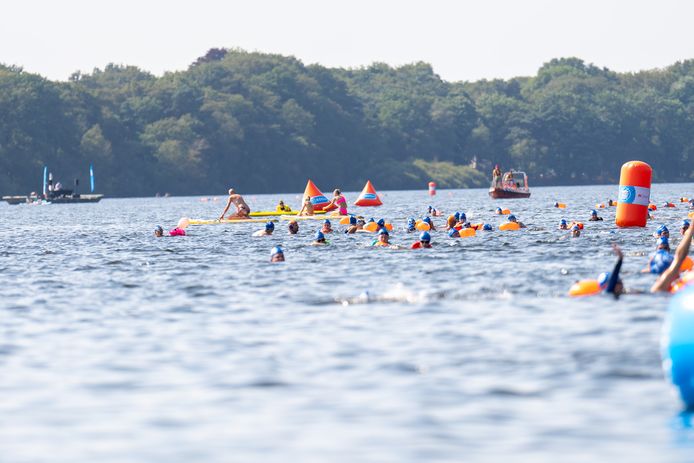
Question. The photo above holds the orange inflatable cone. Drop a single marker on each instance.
(318, 199)
(368, 196)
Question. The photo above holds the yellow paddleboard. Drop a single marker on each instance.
(312, 217)
(275, 213)
(227, 221)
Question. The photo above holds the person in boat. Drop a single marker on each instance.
(327, 226)
(686, 223)
(411, 226)
(512, 218)
(319, 239)
(672, 273)
(508, 179)
(267, 231)
(281, 207)
(242, 209)
(563, 225)
(496, 175)
(339, 202)
(307, 208)
(277, 254)
(293, 227)
(594, 217)
(424, 241)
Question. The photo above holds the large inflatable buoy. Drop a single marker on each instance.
(677, 344)
(432, 188)
(634, 194)
(368, 196)
(318, 199)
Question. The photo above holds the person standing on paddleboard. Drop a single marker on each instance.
(242, 209)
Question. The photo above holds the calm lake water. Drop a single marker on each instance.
(116, 346)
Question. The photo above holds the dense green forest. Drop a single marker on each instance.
(266, 123)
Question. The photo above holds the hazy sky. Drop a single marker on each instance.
(463, 40)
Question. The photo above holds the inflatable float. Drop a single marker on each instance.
(318, 199)
(226, 221)
(368, 196)
(278, 213)
(677, 345)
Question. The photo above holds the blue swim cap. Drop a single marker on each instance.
(382, 231)
(269, 226)
(453, 233)
(326, 222)
(593, 212)
(686, 223)
(319, 235)
(411, 220)
(556, 204)
(456, 215)
(487, 227)
(427, 219)
(603, 279)
(352, 220)
(662, 229)
(463, 217)
(425, 236)
(512, 218)
(563, 222)
(381, 222)
(158, 229)
(276, 250)
(372, 219)
(661, 261)
(574, 228)
(498, 209)
(663, 241)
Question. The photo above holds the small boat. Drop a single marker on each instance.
(56, 194)
(512, 185)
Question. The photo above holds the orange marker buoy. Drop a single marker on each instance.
(318, 199)
(368, 196)
(432, 188)
(634, 194)
(585, 288)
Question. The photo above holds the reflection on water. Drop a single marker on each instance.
(116, 346)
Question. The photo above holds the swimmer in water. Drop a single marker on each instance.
(610, 281)
(424, 241)
(381, 225)
(339, 202)
(411, 226)
(307, 208)
(662, 232)
(499, 211)
(354, 225)
(327, 226)
(242, 209)
(611, 203)
(267, 231)
(453, 233)
(672, 273)
(686, 223)
(319, 239)
(512, 218)
(575, 231)
(661, 259)
(563, 225)
(281, 207)
(277, 255)
(383, 238)
(158, 231)
(487, 227)
(428, 221)
(452, 220)
(594, 217)
(293, 227)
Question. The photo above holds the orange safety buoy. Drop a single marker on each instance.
(432, 188)
(318, 199)
(368, 196)
(634, 194)
(585, 288)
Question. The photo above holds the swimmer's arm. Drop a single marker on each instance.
(226, 208)
(614, 277)
(673, 272)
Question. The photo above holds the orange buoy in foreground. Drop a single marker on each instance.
(368, 196)
(432, 188)
(634, 194)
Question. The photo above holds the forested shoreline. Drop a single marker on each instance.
(265, 123)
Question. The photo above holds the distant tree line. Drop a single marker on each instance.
(266, 123)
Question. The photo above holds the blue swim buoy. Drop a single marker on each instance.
(677, 345)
